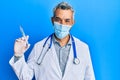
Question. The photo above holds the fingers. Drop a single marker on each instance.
(21, 45)
(22, 39)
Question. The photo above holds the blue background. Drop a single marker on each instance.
(97, 24)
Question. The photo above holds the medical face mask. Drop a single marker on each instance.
(61, 30)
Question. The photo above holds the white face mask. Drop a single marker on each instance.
(61, 31)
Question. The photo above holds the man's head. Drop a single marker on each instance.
(63, 13)
(63, 19)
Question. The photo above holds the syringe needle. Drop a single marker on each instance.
(23, 34)
(22, 31)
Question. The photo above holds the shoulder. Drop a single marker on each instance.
(83, 51)
(41, 42)
(79, 42)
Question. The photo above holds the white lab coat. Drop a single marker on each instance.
(50, 69)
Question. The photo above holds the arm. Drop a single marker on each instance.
(24, 70)
(89, 73)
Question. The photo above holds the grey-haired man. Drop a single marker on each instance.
(60, 56)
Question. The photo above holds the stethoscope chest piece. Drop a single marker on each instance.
(76, 61)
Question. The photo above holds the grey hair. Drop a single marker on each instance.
(63, 6)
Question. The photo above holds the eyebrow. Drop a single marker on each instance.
(60, 18)
(57, 17)
(67, 19)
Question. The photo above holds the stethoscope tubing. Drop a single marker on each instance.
(41, 57)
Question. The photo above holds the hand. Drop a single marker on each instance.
(21, 45)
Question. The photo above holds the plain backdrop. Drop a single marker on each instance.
(97, 23)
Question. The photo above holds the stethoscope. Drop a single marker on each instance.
(41, 57)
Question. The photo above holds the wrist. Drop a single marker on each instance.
(18, 55)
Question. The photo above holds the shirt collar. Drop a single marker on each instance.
(55, 40)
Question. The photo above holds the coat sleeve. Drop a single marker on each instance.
(24, 70)
(89, 73)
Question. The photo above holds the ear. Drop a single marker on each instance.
(52, 20)
(73, 21)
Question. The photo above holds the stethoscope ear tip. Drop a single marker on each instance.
(76, 61)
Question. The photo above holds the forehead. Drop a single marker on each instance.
(64, 14)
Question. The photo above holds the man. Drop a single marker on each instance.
(57, 57)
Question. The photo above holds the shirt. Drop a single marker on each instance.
(62, 53)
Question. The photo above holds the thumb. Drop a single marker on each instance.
(27, 46)
(27, 37)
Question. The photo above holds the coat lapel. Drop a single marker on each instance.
(69, 63)
(55, 60)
